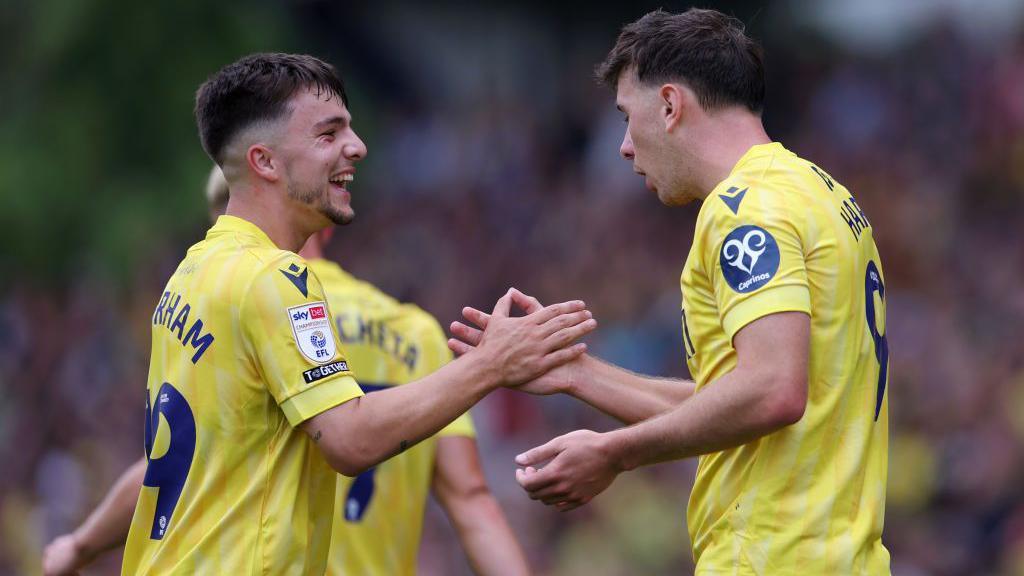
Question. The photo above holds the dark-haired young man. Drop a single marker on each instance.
(378, 515)
(783, 324)
(245, 353)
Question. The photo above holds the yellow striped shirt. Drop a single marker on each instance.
(243, 351)
(379, 515)
(779, 234)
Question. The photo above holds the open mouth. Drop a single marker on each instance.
(342, 180)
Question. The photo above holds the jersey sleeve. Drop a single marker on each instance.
(287, 325)
(434, 348)
(755, 258)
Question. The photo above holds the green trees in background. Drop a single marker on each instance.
(99, 158)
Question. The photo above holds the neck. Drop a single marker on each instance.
(313, 249)
(726, 136)
(267, 209)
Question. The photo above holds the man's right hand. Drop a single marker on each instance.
(558, 378)
(63, 557)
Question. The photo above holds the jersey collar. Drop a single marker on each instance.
(759, 151)
(234, 225)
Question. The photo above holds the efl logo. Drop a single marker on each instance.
(312, 330)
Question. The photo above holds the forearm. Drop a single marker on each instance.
(732, 411)
(625, 395)
(107, 526)
(485, 535)
(370, 429)
(461, 489)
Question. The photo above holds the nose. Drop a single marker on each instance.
(354, 149)
(626, 148)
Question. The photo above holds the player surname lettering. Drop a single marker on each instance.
(165, 316)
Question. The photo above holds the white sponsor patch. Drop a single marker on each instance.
(312, 328)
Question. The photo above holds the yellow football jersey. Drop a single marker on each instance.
(243, 351)
(379, 514)
(779, 234)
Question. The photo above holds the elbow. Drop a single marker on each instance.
(348, 468)
(787, 403)
(350, 460)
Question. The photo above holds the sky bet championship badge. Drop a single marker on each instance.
(312, 328)
(749, 258)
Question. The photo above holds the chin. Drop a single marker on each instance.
(340, 217)
(674, 199)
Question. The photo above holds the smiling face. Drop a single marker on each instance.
(319, 149)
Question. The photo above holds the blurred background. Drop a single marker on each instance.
(493, 161)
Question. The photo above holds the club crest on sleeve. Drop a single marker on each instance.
(311, 326)
(749, 258)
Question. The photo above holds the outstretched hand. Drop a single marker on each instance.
(522, 348)
(579, 467)
(63, 557)
(467, 338)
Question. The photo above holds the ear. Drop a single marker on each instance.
(262, 162)
(674, 104)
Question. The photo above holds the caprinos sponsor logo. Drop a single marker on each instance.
(749, 258)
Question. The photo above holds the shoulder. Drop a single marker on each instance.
(774, 190)
(420, 322)
(345, 290)
(276, 278)
(250, 260)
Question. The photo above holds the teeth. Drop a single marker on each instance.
(343, 178)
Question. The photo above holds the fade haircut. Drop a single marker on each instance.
(704, 49)
(256, 89)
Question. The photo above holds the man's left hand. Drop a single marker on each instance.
(580, 467)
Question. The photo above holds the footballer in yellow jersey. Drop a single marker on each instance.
(243, 351)
(783, 325)
(777, 235)
(245, 355)
(379, 515)
(380, 512)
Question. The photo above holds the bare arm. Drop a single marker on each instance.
(620, 393)
(364, 431)
(462, 491)
(766, 391)
(104, 529)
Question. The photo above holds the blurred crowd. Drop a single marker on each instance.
(456, 205)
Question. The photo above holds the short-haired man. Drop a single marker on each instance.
(378, 515)
(245, 353)
(783, 325)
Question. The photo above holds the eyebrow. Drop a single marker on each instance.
(329, 121)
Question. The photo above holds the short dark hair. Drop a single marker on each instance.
(704, 49)
(257, 89)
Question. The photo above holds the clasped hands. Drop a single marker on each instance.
(576, 466)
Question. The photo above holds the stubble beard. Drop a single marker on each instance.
(320, 200)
